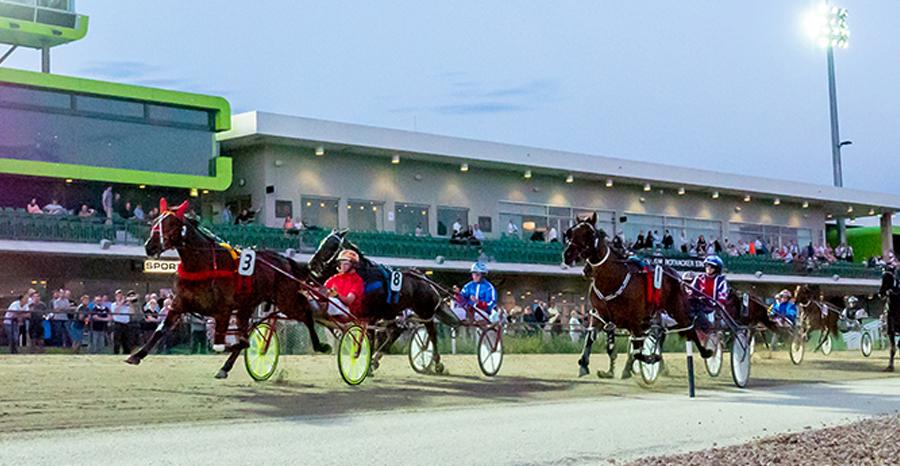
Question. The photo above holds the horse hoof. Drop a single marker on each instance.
(583, 371)
(221, 374)
(324, 348)
(626, 375)
(133, 360)
(888, 369)
(439, 368)
(605, 375)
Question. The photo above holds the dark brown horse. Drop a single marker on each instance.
(619, 294)
(815, 314)
(208, 283)
(381, 304)
(890, 289)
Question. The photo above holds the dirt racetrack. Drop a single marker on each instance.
(62, 391)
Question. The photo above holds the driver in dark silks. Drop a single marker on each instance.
(714, 287)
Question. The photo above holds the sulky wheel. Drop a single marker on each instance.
(798, 348)
(261, 356)
(354, 355)
(826, 345)
(740, 359)
(421, 350)
(714, 362)
(865, 344)
(652, 346)
(490, 351)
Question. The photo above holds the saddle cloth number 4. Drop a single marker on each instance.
(396, 281)
(247, 263)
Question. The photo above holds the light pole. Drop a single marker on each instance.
(828, 25)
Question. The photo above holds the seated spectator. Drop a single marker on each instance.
(419, 231)
(512, 229)
(701, 246)
(139, 213)
(552, 236)
(33, 207)
(668, 241)
(537, 235)
(53, 208)
(288, 224)
(126, 210)
(86, 211)
(245, 217)
(477, 233)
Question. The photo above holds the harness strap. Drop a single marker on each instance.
(616, 294)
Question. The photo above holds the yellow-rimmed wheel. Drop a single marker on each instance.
(261, 356)
(354, 355)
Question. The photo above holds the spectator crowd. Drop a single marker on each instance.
(99, 324)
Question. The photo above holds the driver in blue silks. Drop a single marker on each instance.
(478, 293)
(784, 309)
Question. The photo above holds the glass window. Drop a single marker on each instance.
(485, 224)
(62, 5)
(284, 209)
(105, 106)
(178, 115)
(34, 97)
(411, 216)
(65, 138)
(23, 12)
(448, 216)
(639, 225)
(365, 215)
(321, 212)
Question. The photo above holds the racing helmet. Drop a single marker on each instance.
(785, 293)
(348, 255)
(714, 261)
(479, 267)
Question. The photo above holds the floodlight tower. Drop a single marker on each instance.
(39, 24)
(827, 25)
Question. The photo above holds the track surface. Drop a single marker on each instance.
(571, 432)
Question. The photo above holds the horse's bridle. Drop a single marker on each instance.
(337, 251)
(584, 253)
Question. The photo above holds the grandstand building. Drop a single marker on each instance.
(367, 179)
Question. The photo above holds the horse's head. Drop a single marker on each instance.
(584, 240)
(327, 252)
(168, 230)
(804, 295)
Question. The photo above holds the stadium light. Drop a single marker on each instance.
(827, 25)
(681, 191)
(647, 187)
(527, 174)
(464, 167)
(806, 204)
(320, 151)
(747, 198)
(777, 201)
(395, 159)
(570, 179)
(609, 183)
(715, 195)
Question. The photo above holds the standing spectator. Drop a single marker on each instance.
(457, 226)
(701, 246)
(639, 242)
(164, 342)
(139, 213)
(99, 318)
(668, 242)
(227, 216)
(575, 326)
(121, 317)
(37, 312)
(33, 207)
(151, 318)
(53, 208)
(419, 231)
(649, 240)
(12, 321)
(106, 200)
(849, 253)
(683, 242)
(199, 340)
(477, 233)
(126, 211)
(512, 229)
(76, 324)
(59, 319)
(552, 236)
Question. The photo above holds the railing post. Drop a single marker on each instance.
(689, 349)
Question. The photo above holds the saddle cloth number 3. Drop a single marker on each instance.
(396, 281)
(247, 263)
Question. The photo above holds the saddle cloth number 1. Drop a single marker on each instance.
(396, 281)
(657, 277)
(247, 263)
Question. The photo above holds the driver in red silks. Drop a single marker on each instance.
(346, 289)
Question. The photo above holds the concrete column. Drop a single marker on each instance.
(343, 218)
(45, 59)
(887, 233)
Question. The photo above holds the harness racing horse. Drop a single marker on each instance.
(384, 300)
(623, 295)
(890, 289)
(208, 283)
(815, 314)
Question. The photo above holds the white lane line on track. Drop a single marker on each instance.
(576, 431)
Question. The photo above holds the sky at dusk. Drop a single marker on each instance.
(727, 86)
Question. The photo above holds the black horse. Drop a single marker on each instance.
(388, 294)
(890, 289)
